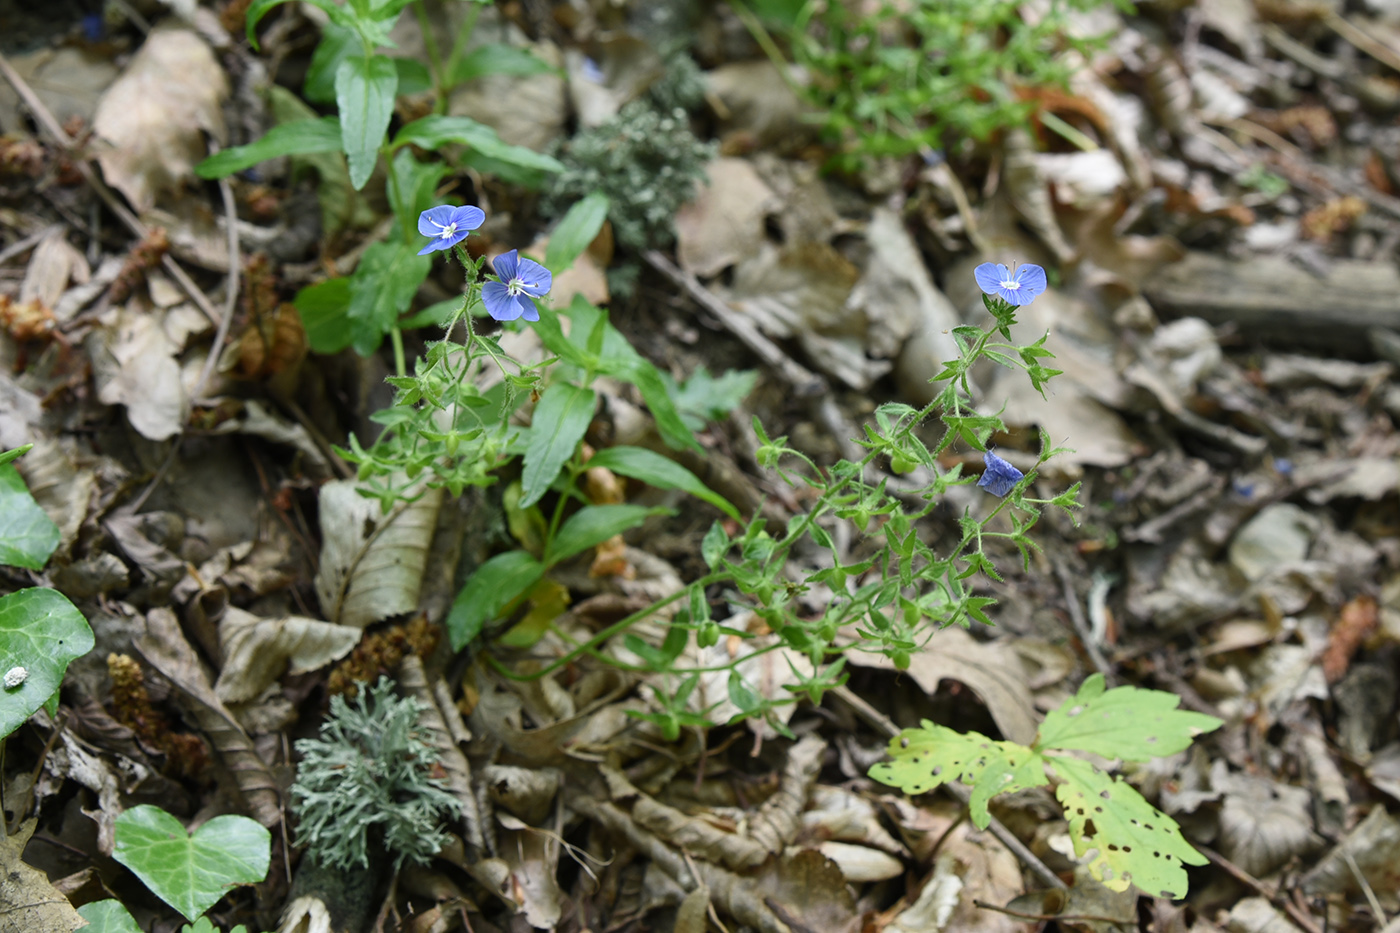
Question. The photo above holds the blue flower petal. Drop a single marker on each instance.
(506, 265)
(989, 277)
(431, 221)
(1000, 477)
(500, 304)
(528, 306)
(435, 244)
(536, 280)
(468, 217)
(1033, 283)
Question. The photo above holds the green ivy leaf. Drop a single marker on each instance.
(364, 93)
(579, 228)
(109, 916)
(191, 872)
(593, 525)
(930, 757)
(1124, 722)
(661, 472)
(489, 590)
(300, 138)
(1137, 843)
(560, 420)
(27, 535)
(41, 632)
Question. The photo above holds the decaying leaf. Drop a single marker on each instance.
(372, 563)
(156, 114)
(257, 651)
(31, 905)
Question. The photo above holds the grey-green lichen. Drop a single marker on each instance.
(366, 782)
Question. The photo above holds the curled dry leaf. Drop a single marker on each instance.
(156, 114)
(371, 562)
(258, 651)
(164, 647)
(724, 222)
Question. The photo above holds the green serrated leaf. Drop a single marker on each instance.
(578, 229)
(40, 632)
(27, 535)
(109, 916)
(661, 472)
(381, 289)
(1136, 843)
(560, 420)
(364, 94)
(191, 872)
(300, 138)
(491, 588)
(1125, 722)
(933, 755)
(593, 525)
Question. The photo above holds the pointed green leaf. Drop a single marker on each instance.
(364, 93)
(497, 59)
(191, 872)
(324, 309)
(434, 131)
(560, 420)
(27, 535)
(299, 138)
(662, 472)
(340, 15)
(1124, 722)
(490, 589)
(593, 525)
(579, 227)
(40, 632)
(1136, 843)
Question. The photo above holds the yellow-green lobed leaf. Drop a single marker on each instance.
(1124, 722)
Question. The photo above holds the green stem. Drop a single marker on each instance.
(396, 337)
(620, 626)
(459, 48)
(420, 10)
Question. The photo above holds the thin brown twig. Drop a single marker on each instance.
(1081, 624)
(1244, 877)
(50, 124)
(230, 290)
(1028, 858)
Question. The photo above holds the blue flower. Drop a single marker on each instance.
(1019, 287)
(520, 281)
(448, 225)
(999, 476)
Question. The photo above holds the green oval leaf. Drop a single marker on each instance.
(381, 289)
(40, 631)
(595, 524)
(651, 467)
(578, 229)
(191, 872)
(364, 93)
(300, 138)
(323, 308)
(27, 535)
(560, 419)
(491, 588)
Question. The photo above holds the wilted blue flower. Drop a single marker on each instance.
(520, 281)
(448, 225)
(1000, 476)
(1018, 288)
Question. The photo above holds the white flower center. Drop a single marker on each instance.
(1011, 284)
(448, 231)
(515, 287)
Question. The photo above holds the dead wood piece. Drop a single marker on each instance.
(164, 647)
(778, 819)
(414, 681)
(1269, 299)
